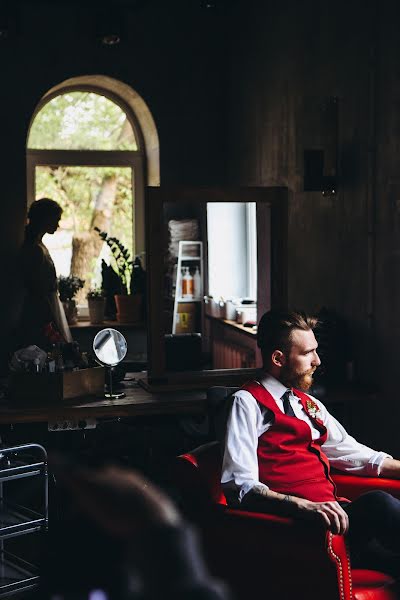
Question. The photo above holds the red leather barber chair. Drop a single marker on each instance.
(268, 557)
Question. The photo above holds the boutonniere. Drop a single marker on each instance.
(313, 409)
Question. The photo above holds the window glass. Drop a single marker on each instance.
(90, 197)
(232, 250)
(81, 121)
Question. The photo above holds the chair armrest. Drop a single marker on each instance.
(285, 535)
(291, 554)
(352, 486)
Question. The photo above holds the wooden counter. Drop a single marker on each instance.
(137, 402)
(86, 324)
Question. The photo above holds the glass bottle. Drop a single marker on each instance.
(184, 282)
(197, 283)
(189, 284)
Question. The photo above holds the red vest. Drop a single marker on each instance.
(289, 460)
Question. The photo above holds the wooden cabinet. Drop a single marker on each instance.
(233, 346)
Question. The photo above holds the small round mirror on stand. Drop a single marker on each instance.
(110, 348)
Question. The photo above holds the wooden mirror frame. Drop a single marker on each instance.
(272, 268)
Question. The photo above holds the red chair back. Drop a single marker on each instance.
(198, 473)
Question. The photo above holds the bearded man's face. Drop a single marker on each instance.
(301, 360)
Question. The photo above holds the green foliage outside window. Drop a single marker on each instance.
(81, 121)
(90, 196)
(76, 190)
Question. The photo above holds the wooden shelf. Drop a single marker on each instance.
(177, 325)
(249, 330)
(114, 324)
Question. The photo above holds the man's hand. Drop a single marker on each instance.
(261, 498)
(330, 513)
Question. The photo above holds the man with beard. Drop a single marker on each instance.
(280, 443)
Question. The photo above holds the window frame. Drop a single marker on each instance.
(135, 159)
(251, 248)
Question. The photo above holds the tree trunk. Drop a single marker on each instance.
(86, 246)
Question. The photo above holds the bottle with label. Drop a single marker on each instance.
(58, 357)
(190, 286)
(187, 285)
(50, 360)
(197, 283)
(184, 283)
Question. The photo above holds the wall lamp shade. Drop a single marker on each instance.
(320, 163)
(110, 39)
(314, 178)
(8, 21)
(109, 26)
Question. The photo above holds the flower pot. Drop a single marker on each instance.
(71, 311)
(129, 308)
(96, 309)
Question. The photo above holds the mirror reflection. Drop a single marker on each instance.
(110, 347)
(210, 285)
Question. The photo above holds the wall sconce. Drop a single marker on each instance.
(320, 164)
(109, 28)
(110, 39)
(8, 23)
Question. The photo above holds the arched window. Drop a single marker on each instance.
(85, 150)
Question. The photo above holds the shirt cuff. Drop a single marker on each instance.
(375, 463)
(246, 487)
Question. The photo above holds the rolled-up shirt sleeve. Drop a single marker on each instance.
(345, 453)
(240, 464)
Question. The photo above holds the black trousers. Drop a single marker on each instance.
(374, 532)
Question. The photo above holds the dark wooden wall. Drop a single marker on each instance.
(297, 55)
(237, 95)
(288, 58)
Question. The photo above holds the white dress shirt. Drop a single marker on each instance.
(248, 420)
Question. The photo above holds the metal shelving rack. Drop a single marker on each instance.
(28, 460)
(194, 259)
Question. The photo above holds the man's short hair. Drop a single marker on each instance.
(275, 330)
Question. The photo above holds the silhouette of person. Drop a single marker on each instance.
(41, 303)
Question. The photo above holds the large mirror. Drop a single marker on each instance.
(216, 263)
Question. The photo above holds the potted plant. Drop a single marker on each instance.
(96, 303)
(129, 298)
(67, 289)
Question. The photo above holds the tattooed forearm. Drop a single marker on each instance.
(262, 499)
(261, 490)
